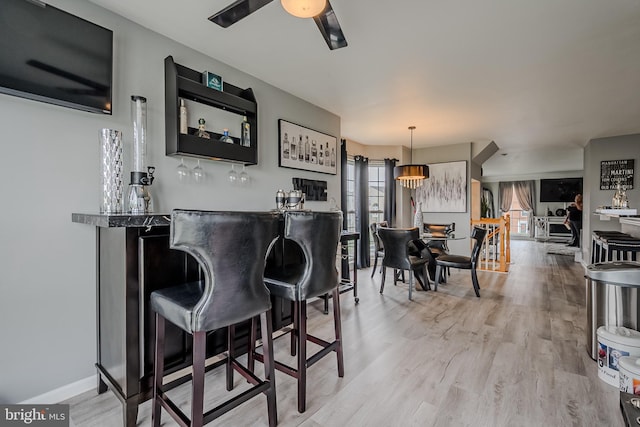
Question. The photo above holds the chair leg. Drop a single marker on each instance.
(231, 334)
(411, 274)
(302, 355)
(337, 324)
(375, 264)
(437, 277)
(269, 368)
(384, 276)
(158, 365)
(197, 402)
(474, 279)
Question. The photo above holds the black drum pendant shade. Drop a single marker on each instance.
(411, 176)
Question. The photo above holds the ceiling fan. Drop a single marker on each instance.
(320, 10)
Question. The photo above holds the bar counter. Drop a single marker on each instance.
(133, 259)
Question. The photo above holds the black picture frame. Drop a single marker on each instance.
(319, 150)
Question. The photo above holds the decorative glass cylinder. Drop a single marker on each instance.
(139, 120)
(112, 172)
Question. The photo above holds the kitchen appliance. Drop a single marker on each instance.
(295, 200)
(139, 195)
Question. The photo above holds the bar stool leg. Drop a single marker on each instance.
(253, 336)
(302, 355)
(199, 354)
(337, 323)
(269, 365)
(231, 335)
(158, 366)
(296, 328)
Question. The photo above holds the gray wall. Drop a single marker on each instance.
(50, 168)
(611, 148)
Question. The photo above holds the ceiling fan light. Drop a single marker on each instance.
(304, 8)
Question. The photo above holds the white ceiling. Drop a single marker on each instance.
(524, 73)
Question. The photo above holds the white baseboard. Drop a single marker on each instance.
(63, 393)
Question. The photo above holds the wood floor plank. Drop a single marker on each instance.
(513, 357)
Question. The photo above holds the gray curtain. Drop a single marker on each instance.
(506, 194)
(362, 209)
(525, 193)
(389, 192)
(343, 204)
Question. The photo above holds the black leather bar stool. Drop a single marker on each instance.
(318, 235)
(231, 248)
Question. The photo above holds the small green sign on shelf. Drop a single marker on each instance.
(212, 80)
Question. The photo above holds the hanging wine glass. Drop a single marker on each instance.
(198, 173)
(232, 175)
(183, 171)
(244, 177)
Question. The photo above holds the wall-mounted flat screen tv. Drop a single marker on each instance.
(560, 190)
(49, 55)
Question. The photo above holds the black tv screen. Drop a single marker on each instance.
(49, 55)
(560, 190)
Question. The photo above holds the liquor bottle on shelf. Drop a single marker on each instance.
(294, 149)
(314, 153)
(321, 156)
(184, 128)
(285, 146)
(300, 149)
(225, 137)
(245, 136)
(201, 133)
(326, 154)
(307, 150)
(333, 157)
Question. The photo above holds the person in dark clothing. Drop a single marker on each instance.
(574, 220)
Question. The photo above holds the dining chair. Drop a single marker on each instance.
(439, 247)
(399, 255)
(463, 262)
(318, 235)
(377, 243)
(231, 248)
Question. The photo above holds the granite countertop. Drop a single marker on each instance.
(122, 220)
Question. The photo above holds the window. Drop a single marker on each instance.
(376, 194)
(519, 224)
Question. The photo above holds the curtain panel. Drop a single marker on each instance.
(362, 209)
(389, 192)
(506, 194)
(343, 204)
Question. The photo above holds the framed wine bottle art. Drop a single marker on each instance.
(306, 149)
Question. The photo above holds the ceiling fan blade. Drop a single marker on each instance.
(236, 11)
(328, 25)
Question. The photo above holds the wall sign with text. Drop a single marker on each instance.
(613, 172)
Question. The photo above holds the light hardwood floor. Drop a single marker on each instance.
(514, 357)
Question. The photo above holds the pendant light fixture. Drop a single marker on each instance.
(411, 176)
(304, 8)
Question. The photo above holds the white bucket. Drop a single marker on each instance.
(629, 368)
(613, 343)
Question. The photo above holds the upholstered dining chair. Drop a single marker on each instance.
(397, 246)
(463, 262)
(439, 247)
(231, 248)
(318, 235)
(378, 248)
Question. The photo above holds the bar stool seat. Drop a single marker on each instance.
(231, 248)
(318, 235)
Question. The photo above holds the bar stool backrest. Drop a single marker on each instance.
(318, 234)
(231, 248)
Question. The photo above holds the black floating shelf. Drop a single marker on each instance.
(183, 82)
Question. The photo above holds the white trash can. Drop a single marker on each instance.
(613, 343)
(629, 369)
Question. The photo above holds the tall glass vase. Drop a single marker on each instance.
(111, 179)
